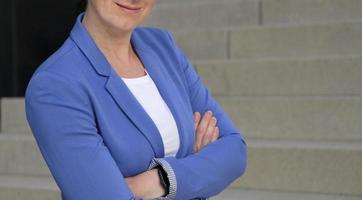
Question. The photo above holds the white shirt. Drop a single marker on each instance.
(147, 94)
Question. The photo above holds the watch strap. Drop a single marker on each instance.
(163, 179)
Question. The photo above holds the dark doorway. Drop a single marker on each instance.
(32, 31)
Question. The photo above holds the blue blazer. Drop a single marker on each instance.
(92, 131)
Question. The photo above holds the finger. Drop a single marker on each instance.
(204, 122)
(197, 117)
(216, 134)
(209, 132)
(207, 137)
(194, 149)
(201, 128)
(198, 139)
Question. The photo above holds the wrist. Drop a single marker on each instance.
(157, 189)
(145, 185)
(163, 180)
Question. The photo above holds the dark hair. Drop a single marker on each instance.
(81, 6)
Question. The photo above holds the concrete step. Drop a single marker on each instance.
(13, 119)
(275, 117)
(304, 166)
(28, 188)
(327, 76)
(286, 165)
(210, 14)
(176, 15)
(42, 188)
(272, 41)
(309, 11)
(204, 14)
(237, 194)
(19, 154)
(312, 40)
(305, 118)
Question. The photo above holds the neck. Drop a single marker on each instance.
(114, 44)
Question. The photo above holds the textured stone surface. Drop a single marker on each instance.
(42, 188)
(304, 166)
(299, 76)
(204, 14)
(28, 188)
(19, 154)
(13, 115)
(307, 40)
(310, 11)
(307, 118)
(237, 194)
(203, 44)
(283, 165)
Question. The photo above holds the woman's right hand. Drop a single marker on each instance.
(206, 130)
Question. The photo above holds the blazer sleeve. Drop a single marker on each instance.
(61, 119)
(210, 170)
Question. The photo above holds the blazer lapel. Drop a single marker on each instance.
(132, 108)
(170, 95)
(124, 97)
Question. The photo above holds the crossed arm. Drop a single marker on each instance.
(146, 185)
(64, 127)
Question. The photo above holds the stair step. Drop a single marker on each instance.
(43, 188)
(237, 194)
(179, 15)
(310, 11)
(279, 117)
(19, 154)
(272, 41)
(309, 40)
(304, 166)
(204, 14)
(28, 188)
(306, 118)
(12, 114)
(28, 182)
(289, 165)
(331, 76)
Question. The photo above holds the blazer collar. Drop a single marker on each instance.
(85, 42)
(124, 97)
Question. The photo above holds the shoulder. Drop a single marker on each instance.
(61, 69)
(65, 61)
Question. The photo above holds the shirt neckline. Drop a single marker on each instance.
(136, 80)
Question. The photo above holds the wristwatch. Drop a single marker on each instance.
(163, 179)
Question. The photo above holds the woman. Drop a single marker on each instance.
(112, 112)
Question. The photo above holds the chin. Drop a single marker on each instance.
(128, 22)
(125, 26)
(117, 18)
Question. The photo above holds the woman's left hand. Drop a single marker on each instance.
(206, 130)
